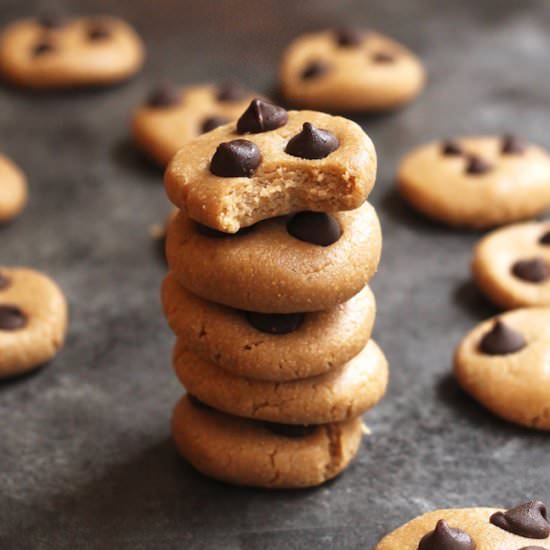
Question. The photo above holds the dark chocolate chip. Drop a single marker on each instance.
(206, 231)
(501, 340)
(532, 548)
(5, 281)
(526, 520)
(349, 37)
(99, 31)
(383, 57)
(477, 166)
(234, 159)
(534, 270)
(164, 96)
(261, 116)
(314, 69)
(196, 402)
(444, 537)
(42, 48)
(512, 145)
(290, 430)
(11, 318)
(451, 149)
(315, 228)
(232, 91)
(213, 122)
(51, 21)
(545, 239)
(275, 323)
(312, 143)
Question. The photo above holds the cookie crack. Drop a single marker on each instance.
(335, 455)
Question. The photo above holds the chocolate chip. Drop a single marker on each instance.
(512, 145)
(99, 31)
(5, 281)
(315, 228)
(444, 537)
(12, 318)
(206, 231)
(196, 402)
(501, 340)
(232, 91)
(42, 48)
(314, 69)
(383, 57)
(234, 159)
(349, 37)
(312, 143)
(534, 270)
(451, 149)
(526, 520)
(212, 122)
(477, 166)
(545, 239)
(261, 116)
(275, 323)
(51, 21)
(532, 548)
(290, 430)
(164, 96)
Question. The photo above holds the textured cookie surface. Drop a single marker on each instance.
(247, 452)
(13, 190)
(477, 181)
(173, 116)
(33, 320)
(315, 343)
(265, 269)
(512, 265)
(343, 393)
(476, 532)
(504, 365)
(84, 51)
(277, 182)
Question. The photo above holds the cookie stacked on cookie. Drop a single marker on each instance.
(270, 259)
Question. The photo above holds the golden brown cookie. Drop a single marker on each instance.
(272, 163)
(512, 265)
(269, 347)
(349, 70)
(13, 190)
(173, 116)
(477, 181)
(266, 269)
(503, 363)
(33, 320)
(65, 53)
(343, 393)
(254, 453)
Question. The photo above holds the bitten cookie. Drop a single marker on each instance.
(477, 182)
(260, 454)
(343, 393)
(503, 363)
(174, 115)
(524, 527)
(269, 164)
(308, 262)
(54, 52)
(13, 190)
(269, 346)
(349, 70)
(512, 265)
(33, 320)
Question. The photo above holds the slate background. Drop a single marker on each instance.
(85, 456)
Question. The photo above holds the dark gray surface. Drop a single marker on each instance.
(85, 455)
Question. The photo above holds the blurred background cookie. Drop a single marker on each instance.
(13, 190)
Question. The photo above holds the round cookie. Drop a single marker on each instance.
(512, 265)
(33, 320)
(13, 190)
(249, 452)
(477, 182)
(473, 529)
(69, 52)
(173, 116)
(349, 70)
(272, 163)
(312, 344)
(503, 363)
(265, 269)
(343, 393)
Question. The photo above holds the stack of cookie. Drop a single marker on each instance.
(270, 257)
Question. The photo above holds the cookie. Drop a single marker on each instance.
(272, 163)
(269, 347)
(172, 116)
(271, 267)
(524, 527)
(512, 265)
(349, 70)
(33, 320)
(477, 182)
(343, 393)
(69, 52)
(259, 454)
(503, 363)
(13, 190)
